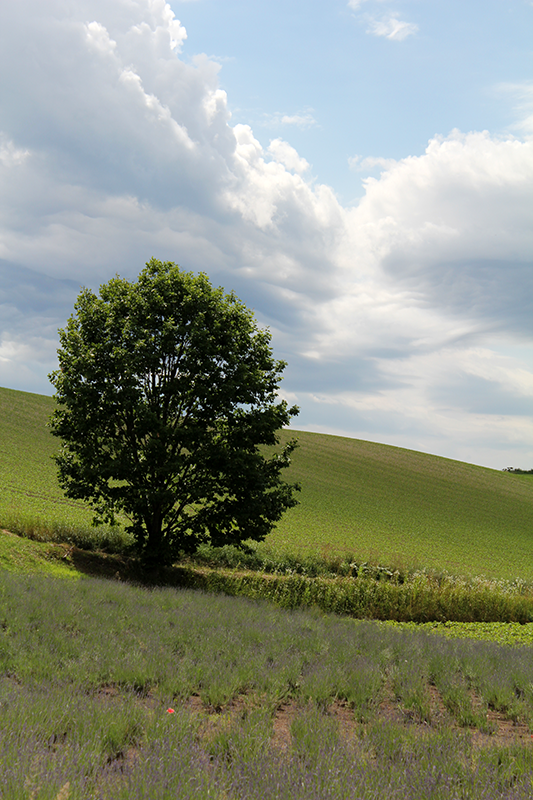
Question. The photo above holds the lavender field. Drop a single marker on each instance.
(112, 691)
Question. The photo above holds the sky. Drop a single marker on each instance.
(359, 172)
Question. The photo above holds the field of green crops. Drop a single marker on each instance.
(28, 482)
(31, 501)
(386, 504)
(400, 506)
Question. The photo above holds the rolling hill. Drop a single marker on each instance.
(379, 502)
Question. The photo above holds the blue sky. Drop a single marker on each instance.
(347, 88)
(360, 172)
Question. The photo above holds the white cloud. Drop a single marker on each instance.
(98, 38)
(11, 351)
(467, 197)
(392, 28)
(118, 150)
(360, 164)
(302, 120)
(11, 156)
(522, 96)
(388, 26)
(284, 154)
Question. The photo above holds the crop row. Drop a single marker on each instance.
(89, 670)
(59, 744)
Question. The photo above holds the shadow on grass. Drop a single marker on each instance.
(122, 568)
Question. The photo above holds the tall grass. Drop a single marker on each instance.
(419, 598)
(94, 633)
(83, 535)
(113, 753)
(369, 592)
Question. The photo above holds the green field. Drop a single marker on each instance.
(386, 504)
(113, 691)
(31, 500)
(402, 506)
(28, 483)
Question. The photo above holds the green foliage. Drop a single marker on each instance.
(166, 390)
(504, 633)
(517, 471)
(419, 599)
(311, 564)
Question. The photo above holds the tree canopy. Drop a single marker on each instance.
(168, 408)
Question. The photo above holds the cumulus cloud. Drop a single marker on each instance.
(284, 154)
(452, 226)
(437, 258)
(394, 315)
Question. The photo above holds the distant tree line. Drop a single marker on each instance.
(517, 471)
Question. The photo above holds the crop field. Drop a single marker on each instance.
(31, 500)
(402, 507)
(28, 483)
(381, 503)
(112, 691)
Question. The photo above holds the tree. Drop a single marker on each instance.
(167, 407)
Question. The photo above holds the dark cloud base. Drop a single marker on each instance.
(476, 395)
(34, 293)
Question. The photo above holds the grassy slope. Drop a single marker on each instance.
(396, 504)
(25, 556)
(28, 483)
(374, 500)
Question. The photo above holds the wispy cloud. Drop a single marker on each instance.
(360, 164)
(522, 95)
(303, 119)
(389, 25)
(392, 28)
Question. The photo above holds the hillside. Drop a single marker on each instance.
(400, 505)
(377, 501)
(28, 484)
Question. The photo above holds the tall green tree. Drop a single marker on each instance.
(167, 401)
